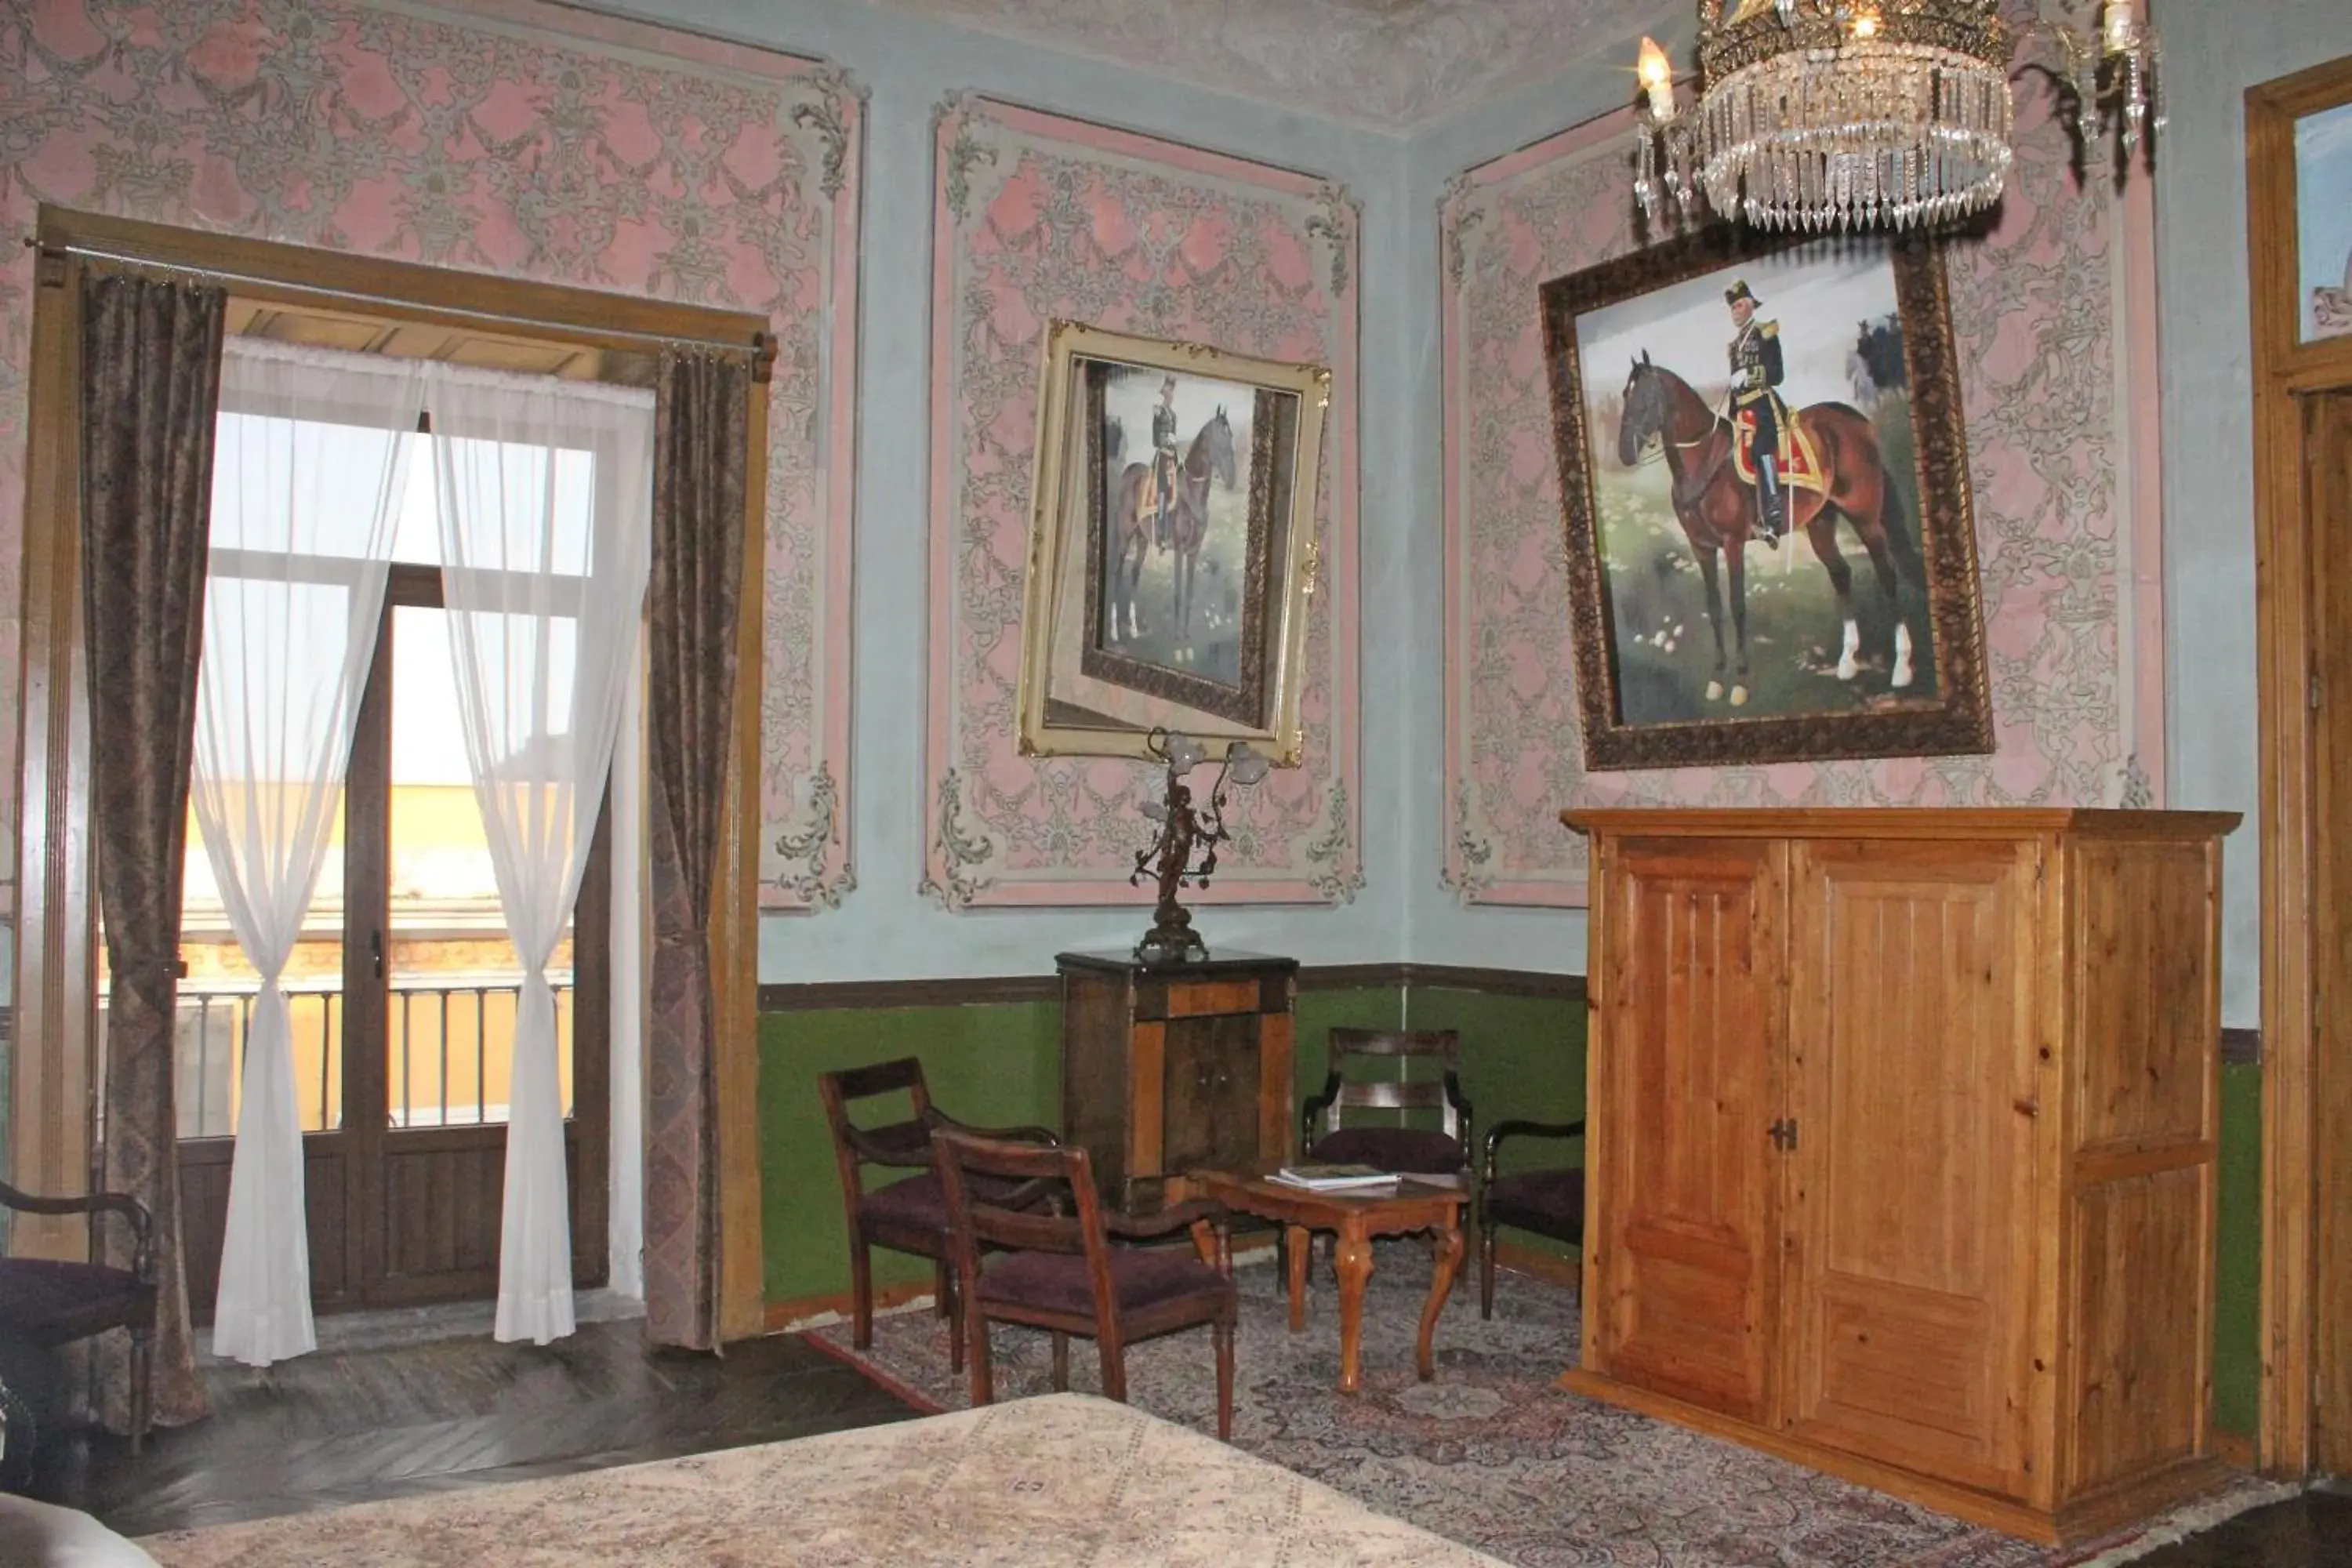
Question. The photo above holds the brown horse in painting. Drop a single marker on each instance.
(1211, 455)
(1716, 509)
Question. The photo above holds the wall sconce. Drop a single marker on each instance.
(1186, 831)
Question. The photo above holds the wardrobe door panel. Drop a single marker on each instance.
(1911, 1024)
(1684, 1085)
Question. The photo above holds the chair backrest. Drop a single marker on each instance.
(1392, 1090)
(897, 1142)
(1011, 1211)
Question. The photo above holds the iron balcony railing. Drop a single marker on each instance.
(449, 1056)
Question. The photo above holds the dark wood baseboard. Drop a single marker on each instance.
(999, 990)
(1549, 1266)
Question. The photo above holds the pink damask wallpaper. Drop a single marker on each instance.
(500, 136)
(1036, 219)
(2053, 316)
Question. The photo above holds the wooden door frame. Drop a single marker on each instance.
(2300, 1179)
(52, 1102)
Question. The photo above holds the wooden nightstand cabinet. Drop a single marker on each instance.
(1175, 1067)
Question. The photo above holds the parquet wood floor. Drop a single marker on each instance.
(347, 1426)
(358, 1425)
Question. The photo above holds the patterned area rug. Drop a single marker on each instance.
(1492, 1454)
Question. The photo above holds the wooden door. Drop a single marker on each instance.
(1690, 1013)
(403, 1049)
(1908, 1241)
(2327, 476)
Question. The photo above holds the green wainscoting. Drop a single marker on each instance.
(2238, 1273)
(1522, 1058)
(999, 1065)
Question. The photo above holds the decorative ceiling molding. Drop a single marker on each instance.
(1392, 65)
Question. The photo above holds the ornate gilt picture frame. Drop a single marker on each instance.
(1173, 547)
(1763, 469)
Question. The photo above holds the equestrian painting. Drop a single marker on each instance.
(1772, 542)
(1173, 552)
(1174, 526)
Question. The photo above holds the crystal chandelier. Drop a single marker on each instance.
(1843, 114)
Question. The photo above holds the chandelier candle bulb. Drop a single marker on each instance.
(1657, 73)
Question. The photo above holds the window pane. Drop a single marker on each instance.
(455, 978)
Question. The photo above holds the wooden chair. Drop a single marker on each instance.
(907, 1216)
(1058, 1272)
(1548, 1201)
(47, 1302)
(1343, 1139)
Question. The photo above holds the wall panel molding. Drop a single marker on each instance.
(1035, 217)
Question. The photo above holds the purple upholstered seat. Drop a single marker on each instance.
(1549, 1201)
(51, 1304)
(1059, 1282)
(46, 1302)
(1412, 1151)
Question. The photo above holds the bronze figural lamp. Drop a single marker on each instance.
(1186, 831)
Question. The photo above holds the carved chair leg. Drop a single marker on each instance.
(984, 1385)
(1222, 1333)
(1061, 1361)
(1486, 1266)
(143, 1372)
(1114, 1369)
(861, 1293)
(950, 1308)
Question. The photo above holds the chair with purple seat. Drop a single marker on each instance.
(907, 1216)
(48, 1302)
(1056, 1269)
(1548, 1200)
(1343, 1138)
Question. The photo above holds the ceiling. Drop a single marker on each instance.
(1390, 64)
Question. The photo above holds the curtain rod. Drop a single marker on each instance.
(761, 349)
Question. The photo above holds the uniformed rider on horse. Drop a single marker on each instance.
(1163, 464)
(1756, 370)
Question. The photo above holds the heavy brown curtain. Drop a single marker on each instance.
(151, 386)
(700, 457)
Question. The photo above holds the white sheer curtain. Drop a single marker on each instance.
(308, 471)
(545, 492)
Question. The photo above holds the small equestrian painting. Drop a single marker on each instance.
(2323, 205)
(1173, 548)
(1764, 480)
(1173, 532)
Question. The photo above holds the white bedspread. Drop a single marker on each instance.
(1067, 1479)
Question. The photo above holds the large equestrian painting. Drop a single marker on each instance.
(1771, 555)
(1173, 544)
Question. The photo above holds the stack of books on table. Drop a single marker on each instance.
(1334, 1178)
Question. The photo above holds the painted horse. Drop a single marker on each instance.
(1716, 509)
(1211, 455)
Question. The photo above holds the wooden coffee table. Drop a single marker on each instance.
(1355, 1217)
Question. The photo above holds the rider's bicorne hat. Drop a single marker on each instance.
(1739, 291)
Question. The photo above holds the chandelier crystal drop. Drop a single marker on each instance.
(1831, 115)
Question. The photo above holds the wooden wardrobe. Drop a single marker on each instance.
(1902, 1147)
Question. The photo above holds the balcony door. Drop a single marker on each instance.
(403, 991)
